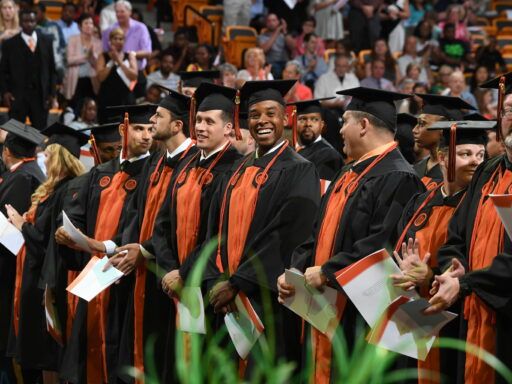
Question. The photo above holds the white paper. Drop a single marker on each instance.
(242, 329)
(291, 3)
(92, 280)
(191, 311)
(77, 236)
(503, 204)
(10, 236)
(129, 83)
(317, 308)
(372, 289)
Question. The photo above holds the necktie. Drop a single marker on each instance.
(31, 44)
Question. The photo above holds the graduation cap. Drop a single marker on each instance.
(461, 132)
(105, 133)
(503, 84)
(309, 106)
(475, 116)
(175, 102)
(243, 121)
(446, 106)
(21, 139)
(405, 122)
(195, 78)
(376, 102)
(208, 97)
(69, 138)
(406, 119)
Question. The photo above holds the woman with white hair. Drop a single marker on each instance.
(255, 69)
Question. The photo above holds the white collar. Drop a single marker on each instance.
(446, 195)
(273, 149)
(13, 167)
(133, 159)
(180, 149)
(26, 37)
(319, 138)
(216, 150)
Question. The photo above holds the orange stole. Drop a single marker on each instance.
(158, 185)
(329, 229)
(429, 182)
(486, 242)
(109, 213)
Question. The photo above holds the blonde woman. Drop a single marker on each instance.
(9, 21)
(34, 348)
(255, 69)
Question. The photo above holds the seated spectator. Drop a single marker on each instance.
(336, 80)
(9, 20)
(228, 74)
(410, 55)
(51, 28)
(87, 117)
(494, 147)
(275, 44)
(67, 21)
(152, 96)
(456, 15)
(426, 42)
(452, 51)
(416, 102)
(413, 72)
(117, 73)
(417, 9)
(406, 86)
(380, 51)
(458, 88)
(83, 51)
(376, 79)
(255, 68)
(343, 47)
(490, 56)
(299, 92)
(443, 80)
(480, 75)
(308, 26)
(164, 75)
(313, 64)
(484, 102)
(181, 50)
(329, 20)
(203, 59)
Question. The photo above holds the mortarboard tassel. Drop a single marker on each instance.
(452, 153)
(124, 128)
(94, 150)
(294, 127)
(501, 96)
(192, 118)
(238, 134)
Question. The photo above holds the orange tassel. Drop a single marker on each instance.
(501, 96)
(94, 150)
(192, 118)
(452, 153)
(124, 128)
(238, 134)
(294, 127)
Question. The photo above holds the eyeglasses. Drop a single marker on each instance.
(506, 112)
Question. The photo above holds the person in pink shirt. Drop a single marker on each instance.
(308, 27)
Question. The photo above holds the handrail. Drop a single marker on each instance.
(197, 13)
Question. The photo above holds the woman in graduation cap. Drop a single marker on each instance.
(358, 214)
(424, 225)
(477, 238)
(34, 346)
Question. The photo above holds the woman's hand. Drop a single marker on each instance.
(14, 217)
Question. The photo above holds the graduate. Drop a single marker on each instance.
(17, 184)
(312, 146)
(477, 239)
(190, 81)
(424, 224)
(435, 108)
(34, 348)
(149, 308)
(93, 347)
(358, 214)
(264, 210)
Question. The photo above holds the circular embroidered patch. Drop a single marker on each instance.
(104, 181)
(431, 185)
(261, 178)
(207, 179)
(420, 219)
(130, 185)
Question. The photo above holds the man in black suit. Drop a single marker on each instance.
(27, 73)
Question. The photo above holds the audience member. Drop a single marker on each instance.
(483, 97)
(82, 54)
(299, 92)
(490, 56)
(343, 47)
(237, 12)
(203, 59)
(456, 15)
(376, 79)
(493, 147)
(228, 73)
(314, 65)
(67, 21)
(416, 102)
(480, 75)
(417, 10)
(152, 96)
(181, 50)
(380, 51)
(392, 15)
(255, 68)
(443, 79)
(308, 26)
(165, 74)
(156, 46)
(87, 114)
(364, 23)
(458, 88)
(426, 42)
(336, 80)
(275, 44)
(452, 51)
(108, 15)
(51, 28)
(410, 55)
(9, 21)
(329, 20)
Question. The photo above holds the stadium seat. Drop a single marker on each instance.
(501, 22)
(328, 54)
(364, 56)
(235, 41)
(501, 6)
(505, 42)
(508, 60)
(53, 8)
(178, 11)
(207, 20)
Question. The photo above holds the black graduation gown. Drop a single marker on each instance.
(368, 223)
(434, 175)
(16, 188)
(327, 160)
(86, 204)
(33, 347)
(156, 304)
(283, 217)
(492, 285)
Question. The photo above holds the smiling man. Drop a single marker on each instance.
(260, 215)
(94, 338)
(358, 214)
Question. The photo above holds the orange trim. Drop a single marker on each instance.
(251, 312)
(502, 201)
(346, 275)
(376, 335)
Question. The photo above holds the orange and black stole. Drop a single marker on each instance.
(20, 264)
(158, 185)
(244, 185)
(487, 240)
(432, 231)
(110, 208)
(342, 190)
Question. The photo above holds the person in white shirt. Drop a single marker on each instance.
(164, 76)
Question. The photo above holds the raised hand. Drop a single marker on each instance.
(415, 271)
